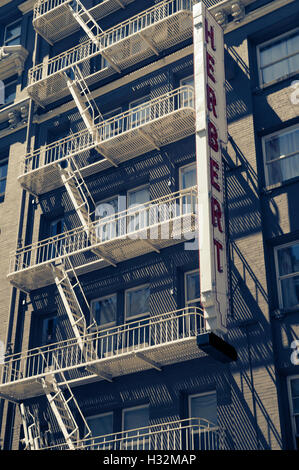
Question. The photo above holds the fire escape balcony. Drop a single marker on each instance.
(165, 119)
(188, 434)
(136, 231)
(166, 24)
(53, 19)
(149, 343)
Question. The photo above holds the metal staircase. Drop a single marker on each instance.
(86, 21)
(32, 439)
(61, 403)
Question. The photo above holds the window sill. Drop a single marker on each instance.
(12, 62)
(264, 87)
(269, 189)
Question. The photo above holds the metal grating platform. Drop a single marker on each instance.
(54, 21)
(159, 122)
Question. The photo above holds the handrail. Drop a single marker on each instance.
(160, 210)
(180, 98)
(135, 24)
(149, 332)
(186, 434)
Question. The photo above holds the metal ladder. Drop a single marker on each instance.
(78, 192)
(91, 27)
(32, 439)
(61, 402)
(82, 96)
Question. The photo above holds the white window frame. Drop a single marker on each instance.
(140, 315)
(134, 104)
(8, 83)
(103, 326)
(201, 394)
(185, 287)
(181, 168)
(266, 165)
(186, 78)
(10, 24)
(285, 276)
(97, 416)
(289, 379)
(266, 43)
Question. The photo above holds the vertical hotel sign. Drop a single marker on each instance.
(211, 135)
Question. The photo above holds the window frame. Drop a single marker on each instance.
(291, 409)
(44, 319)
(106, 413)
(195, 395)
(185, 287)
(105, 325)
(4, 162)
(19, 20)
(265, 43)
(285, 276)
(140, 315)
(181, 168)
(130, 408)
(267, 137)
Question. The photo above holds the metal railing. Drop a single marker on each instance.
(187, 434)
(130, 224)
(137, 117)
(113, 342)
(114, 35)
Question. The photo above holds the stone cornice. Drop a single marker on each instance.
(12, 63)
(27, 6)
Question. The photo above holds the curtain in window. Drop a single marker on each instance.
(282, 156)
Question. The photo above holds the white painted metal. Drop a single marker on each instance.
(165, 221)
(144, 344)
(31, 439)
(81, 94)
(54, 20)
(189, 434)
(158, 122)
(160, 27)
(61, 402)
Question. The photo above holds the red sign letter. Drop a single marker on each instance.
(209, 34)
(210, 66)
(213, 136)
(211, 100)
(216, 214)
(219, 247)
(214, 167)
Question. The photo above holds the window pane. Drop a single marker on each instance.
(295, 388)
(104, 311)
(192, 286)
(48, 330)
(136, 418)
(10, 92)
(12, 34)
(56, 227)
(3, 169)
(296, 405)
(288, 260)
(2, 186)
(101, 425)
(205, 407)
(188, 176)
(137, 302)
(140, 196)
(290, 291)
(275, 60)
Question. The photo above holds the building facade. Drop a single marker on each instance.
(101, 314)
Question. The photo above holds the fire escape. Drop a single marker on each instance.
(141, 345)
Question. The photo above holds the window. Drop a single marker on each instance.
(140, 219)
(100, 425)
(137, 302)
(56, 228)
(192, 289)
(141, 113)
(49, 330)
(104, 310)
(3, 177)
(12, 34)
(279, 57)
(293, 386)
(107, 210)
(136, 418)
(281, 155)
(287, 273)
(10, 88)
(204, 407)
(114, 127)
(187, 98)
(188, 176)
